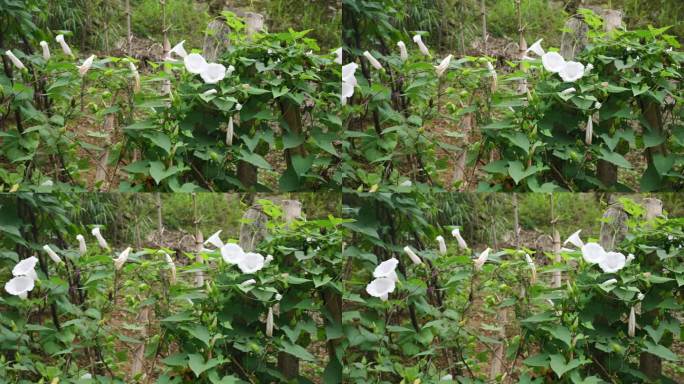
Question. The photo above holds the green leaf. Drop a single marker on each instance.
(254, 159)
(614, 158)
(660, 351)
(333, 372)
(160, 139)
(518, 172)
(296, 351)
(561, 333)
(199, 332)
(302, 164)
(540, 360)
(159, 172)
(292, 140)
(520, 140)
(663, 164)
(198, 366)
(653, 139)
(560, 367)
(279, 92)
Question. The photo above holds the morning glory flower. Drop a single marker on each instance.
(247, 283)
(348, 81)
(593, 253)
(269, 322)
(381, 287)
(423, 48)
(121, 260)
(568, 91)
(82, 249)
(213, 73)
(195, 63)
(457, 234)
(572, 71)
(588, 68)
(442, 67)
(612, 262)
(338, 56)
(209, 92)
(172, 267)
(83, 68)
(46, 50)
(238, 107)
(575, 240)
(100, 240)
(252, 262)
(553, 62)
(278, 296)
(232, 253)
(492, 72)
(179, 50)
(442, 244)
(52, 254)
(17, 63)
(412, 255)
(403, 53)
(26, 267)
(598, 105)
(589, 132)
(537, 48)
(630, 258)
(372, 60)
(482, 259)
(215, 240)
(387, 269)
(20, 286)
(64, 45)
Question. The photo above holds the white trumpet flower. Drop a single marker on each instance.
(588, 68)
(482, 259)
(443, 66)
(631, 323)
(195, 63)
(64, 45)
(381, 287)
(338, 56)
(247, 283)
(269, 259)
(278, 296)
(213, 73)
(215, 240)
(238, 107)
(172, 267)
(82, 249)
(46, 50)
(52, 254)
(442, 244)
(423, 48)
(403, 53)
(209, 92)
(612, 262)
(568, 91)
(121, 260)
(553, 62)
(232, 253)
(26, 267)
(136, 77)
(412, 255)
(537, 48)
(457, 234)
(17, 63)
(230, 130)
(179, 50)
(572, 71)
(83, 68)
(20, 286)
(372, 60)
(100, 240)
(387, 269)
(348, 82)
(575, 240)
(593, 253)
(269, 322)
(495, 78)
(589, 131)
(533, 268)
(251, 263)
